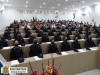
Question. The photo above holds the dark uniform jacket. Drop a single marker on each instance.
(35, 50)
(76, 45)
(79, 37)
(20, 40)
(40, 34)
(45, 38)
(90, 43)
(16, 53)
(65, 46)
(57, 38)
(7, 36)
(45, 30)
(50, 33)
(68, 37)
(28, 34)
(52, 48)
(30, 40)
(3, 43)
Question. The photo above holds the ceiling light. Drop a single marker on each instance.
(7, 0)
(26, 1)
(26, 6)
(66, 0)
(58, 4)
(44, 3)
(65, 8)
(53, 7)
(40, 6)
(82, 1)
(72, 5)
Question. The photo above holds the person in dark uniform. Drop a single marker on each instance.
(35, 49)
(68, 37)
(87, 34)
(65, 45)
(63, 29)
(20, 39)
(60, 32)
(57, 37)
(89, 42)
(7, 35)
(37, 30)
(52, 47)
(16, 32)
(72, 29)
(76, 45)
(53, 30)
(3, 42)
(40, 34)
(26, 29)
(98, 34)
(45, 29)
(45, 38)
(16, 52)
(42, 28)
(58, 27)
(30, 40)
(50, 33)
(28, 33)
(77, 35)
(34, 28)
(69, 32)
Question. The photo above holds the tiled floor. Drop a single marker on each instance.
(92, 72)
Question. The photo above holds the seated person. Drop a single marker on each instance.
(16, 33)
(42, 28)
(48, 27)
(45, 30)
(50, 33)
(6, 35)
(58, 27)
(87, 34)
(26, 29)
(68, 37)
(72, 29)
(45, 38)
(89, 42)
(37, 30)
(65, 45)
(60, 32)
(16, 52)
(57, 37)
(77, 35)
(28, 33)
(20, 39)
(53, 30)
(63, 29)
(30, 40)
(69, 32)
(98, 34)
(35, 49)
(40, 34)
(52, 47)
(3, 42)
(34, 28)
(76, 45)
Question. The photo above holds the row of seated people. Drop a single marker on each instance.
(44, 38)
(35, 48)
(40, 33)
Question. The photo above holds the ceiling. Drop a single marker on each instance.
(49, 4)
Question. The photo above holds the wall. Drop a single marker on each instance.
(12, 13)
(92, 12)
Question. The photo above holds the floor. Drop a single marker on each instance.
(92, 72)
